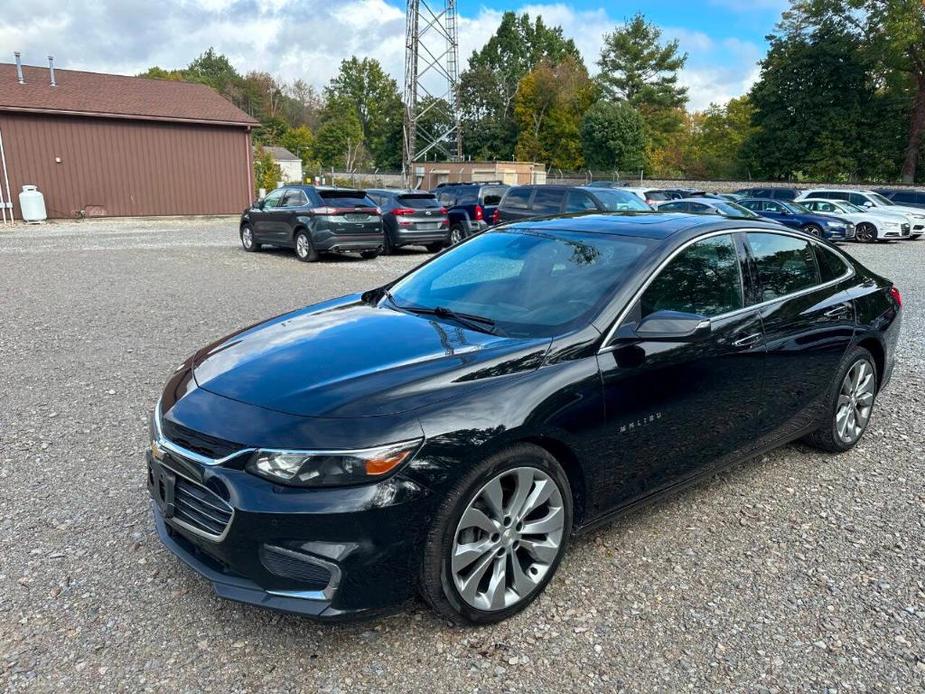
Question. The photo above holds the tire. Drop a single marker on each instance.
(304, 250)
(813, 229)
(369, 255)
(435, 247)
(388, 248)
(247, 239)
(831, 436)
(456, 523)
(456, 235)
(865, 233)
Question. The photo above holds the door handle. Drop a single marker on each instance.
(747, 341)
(839, 311)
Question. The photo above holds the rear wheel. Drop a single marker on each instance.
(304, 249)
(247, 239)
(498, 537)
(813, 229)
(850, 403)
(456, 234)
(387, 247)
(865, 233)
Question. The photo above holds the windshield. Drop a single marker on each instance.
(529, 283)
(796, 207)
(418, 201)
(620, 200)
(731, 209)
(880, 200)
(847, 207)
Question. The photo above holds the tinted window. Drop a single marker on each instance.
(731, 209)
(492, 196)
(902, 196)
(774, 207)
(821, 206)
(447, 197)
(295, 198)
(699, 207)
(657, 195)
(345, 198)
(496, 275)
(703, 279)
(856, 198)
(830, 265)
(834, 194)
(518, 198)
(418, 201)
(673, 207)
(751, 204)
(620, 201)
(273, 198)
(579, 201)
(547, 201)
(785, 264)
(783, 193)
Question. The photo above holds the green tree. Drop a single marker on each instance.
(364, 88)
(548, 107)
(718, 141)
(435, 117)
(159, 73)
(301, 142)
(636, 67)
(488, 87)
(339, 142)
(812, 105)
(215, 70)
(613, 137)
(266, 171)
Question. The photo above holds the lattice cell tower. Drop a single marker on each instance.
(431, 70)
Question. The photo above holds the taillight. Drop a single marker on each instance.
(443, 211)
(402, 211)
(897, 297)
(479, 214)
(496, 216)
(324, 210)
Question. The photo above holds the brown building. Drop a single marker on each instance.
(111, 145)
(430, 174)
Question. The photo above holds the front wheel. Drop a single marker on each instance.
(304, 249)
(813, 229)
(865, 233)
(498, 537)
(248, 241)
(850, 403)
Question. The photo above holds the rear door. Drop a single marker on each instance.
(516, 204)
(547, 201)
(579, 201)
(348, 212)
(808, 323)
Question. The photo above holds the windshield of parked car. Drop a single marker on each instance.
(847, 207)
(880, 200)
(620, 200)
(796, 207)
(731, 209)
(527, 283)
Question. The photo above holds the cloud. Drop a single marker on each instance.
(307, 39)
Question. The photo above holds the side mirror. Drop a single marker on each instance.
(666, 326)
(258, 203)
(868, 203)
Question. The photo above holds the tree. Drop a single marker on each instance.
(364, 88)
(613, 137)
(301, 142)
(267, 173)
(811, 105)
(488, 87)
(304, 105)
(893, 37)
(215, 70)
(718, 140)
(638, 69)
(159, 73)
(340, 139)
(434, 118)
(548, 107)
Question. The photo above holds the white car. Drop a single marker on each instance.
(870, 225)
(873, 201)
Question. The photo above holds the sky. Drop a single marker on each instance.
(307, 39)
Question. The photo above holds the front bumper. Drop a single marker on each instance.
(345, 552)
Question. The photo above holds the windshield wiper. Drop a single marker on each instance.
(473, 322)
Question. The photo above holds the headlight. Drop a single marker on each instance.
(154, 432)
(330, 468)
(834, 224)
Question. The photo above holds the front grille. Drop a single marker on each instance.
(289, 564)
(200, 508)
(203, 444)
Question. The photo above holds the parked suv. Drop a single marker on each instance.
(522, 202)
(796, 216)
(872, 201)
(411, 217)
(312, 221)
(470, 206)
(903, 196)
(770, 193)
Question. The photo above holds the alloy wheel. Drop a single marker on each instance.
(507, 539)
(302, 248)
(247, 237)
(455, 236)
(855, 402)
(864, 233)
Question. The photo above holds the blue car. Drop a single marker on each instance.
(795, 216)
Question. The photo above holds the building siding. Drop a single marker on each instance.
(113, 167)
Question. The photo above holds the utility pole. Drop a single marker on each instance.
(431, 76)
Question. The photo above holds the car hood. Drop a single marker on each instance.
(347, 358)
(915, 212)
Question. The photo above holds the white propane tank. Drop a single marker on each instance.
(32, 204)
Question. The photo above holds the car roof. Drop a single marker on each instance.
(703, 200)
(399, 191)
(652, 225)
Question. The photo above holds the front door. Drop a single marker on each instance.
(674, 407)
(262, 219)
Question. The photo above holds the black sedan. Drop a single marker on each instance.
(450, 431)
(312, 221)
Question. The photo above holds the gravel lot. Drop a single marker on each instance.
(794, 571)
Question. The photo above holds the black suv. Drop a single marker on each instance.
(903, 196)
(470, 207)
(522, 202)
(314, 220)
(411, 217)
